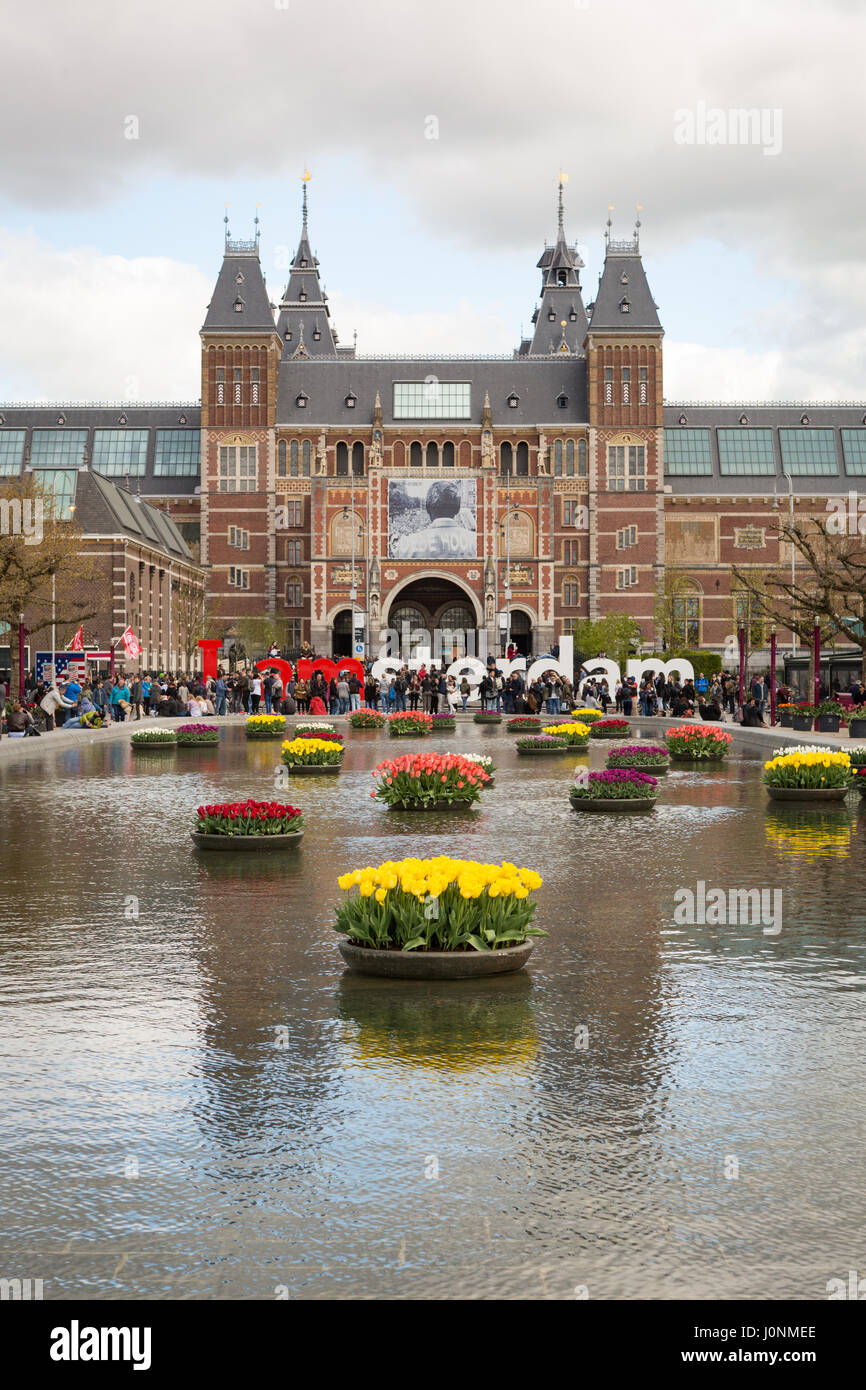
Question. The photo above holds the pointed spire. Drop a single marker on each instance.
(563, 179)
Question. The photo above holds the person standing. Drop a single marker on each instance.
(342, 694)
(255, 693)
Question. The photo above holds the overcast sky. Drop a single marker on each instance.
(434, 133)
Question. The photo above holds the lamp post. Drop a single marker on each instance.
(53, 635)
(773, 676)
(817, 647)
(742, 639)
(353, 592)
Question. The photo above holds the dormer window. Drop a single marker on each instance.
(551, 314)
(239, 278)
(304, 262)
(624, 306)
(61, 419)
(744, 419)
(239, 305)
(350, 400)
(562, 402)
(182, 420)
(123, 420)
(302, 294)
(573, 315)
(561, 277)
(288, 335)
(301, 400)
(623, 279)
(804, 420)
(317, 333)
(683, 420)
(513, 401)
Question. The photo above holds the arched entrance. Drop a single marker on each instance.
(450, 613)
(521, 632)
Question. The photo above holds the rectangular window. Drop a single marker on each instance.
(626, 537)
(59, 484)
(254, 384)
(292, 509)
(239, 538)
(294, 634)
(853, 449)
(221, 385)
(608, 385)
(570, 595)
(687, 620)
(118, 452)
(626, 468)
(237, 468)
(626, 384)
(294, 594)
(644, 385)
(57, 448)
(237, 381)
(293, 552)
(808, 451)
(432, 400)
(687, 453)
(626, 578)
(746, 451)
(570, 513)
(177, 453)
(239, 579)
(570, 552)
(11, 451)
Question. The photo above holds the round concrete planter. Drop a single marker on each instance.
(818, 794)
(434, 806)
(162, 745)
(312, 769)
(246, 843)
(434, 965)
(857, 728)
(607, 803)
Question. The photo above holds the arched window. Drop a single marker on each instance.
(305, 457)
(569, 458)
(746, 614)
(557, 457)
(523, 460)
(506, 459)
(281, 458)
(570, 591)
(342, 460)
(516, 535)
(357, 457)
(447, 459)
(341, 534)
(415, 455)
(294, 468)
(432, 457)
(581, 458)
(407, 613)
(131, 588)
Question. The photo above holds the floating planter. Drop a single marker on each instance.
(318, 728)
(487, 717)
(817, 775)
(429, 782)
(542, 743)
(576, 735)
(328, 735)
(312, 756)
(480, 926)
(443, 723)
(524, 723)
(197, 735)
(697, 743)
(248, 825)
(610, 728)
(148, 739)
(265, 726)
(640, 757)
(622, 789)
(410, 724)
(366, 719)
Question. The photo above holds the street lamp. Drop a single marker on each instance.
(353, 592)
(790, 481)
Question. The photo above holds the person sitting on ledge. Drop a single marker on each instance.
(19, 722)
(752, 717)
(712, 711)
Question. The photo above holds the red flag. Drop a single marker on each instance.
(131, 644)
(77, 643)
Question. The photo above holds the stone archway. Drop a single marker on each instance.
(441, 604)
(431, 592)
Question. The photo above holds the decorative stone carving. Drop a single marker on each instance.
(321, 457)
(750, 538)
(543, 457)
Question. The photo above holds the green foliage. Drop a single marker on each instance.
(708, 662)
(617, 635)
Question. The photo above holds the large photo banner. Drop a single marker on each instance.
(430, 520)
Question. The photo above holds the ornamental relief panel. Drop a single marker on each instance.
(690, 540)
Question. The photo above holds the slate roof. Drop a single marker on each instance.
(240, 282)
(102, 508)
(537, 382)
(607, 314)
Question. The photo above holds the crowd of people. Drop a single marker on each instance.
(119, 698)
